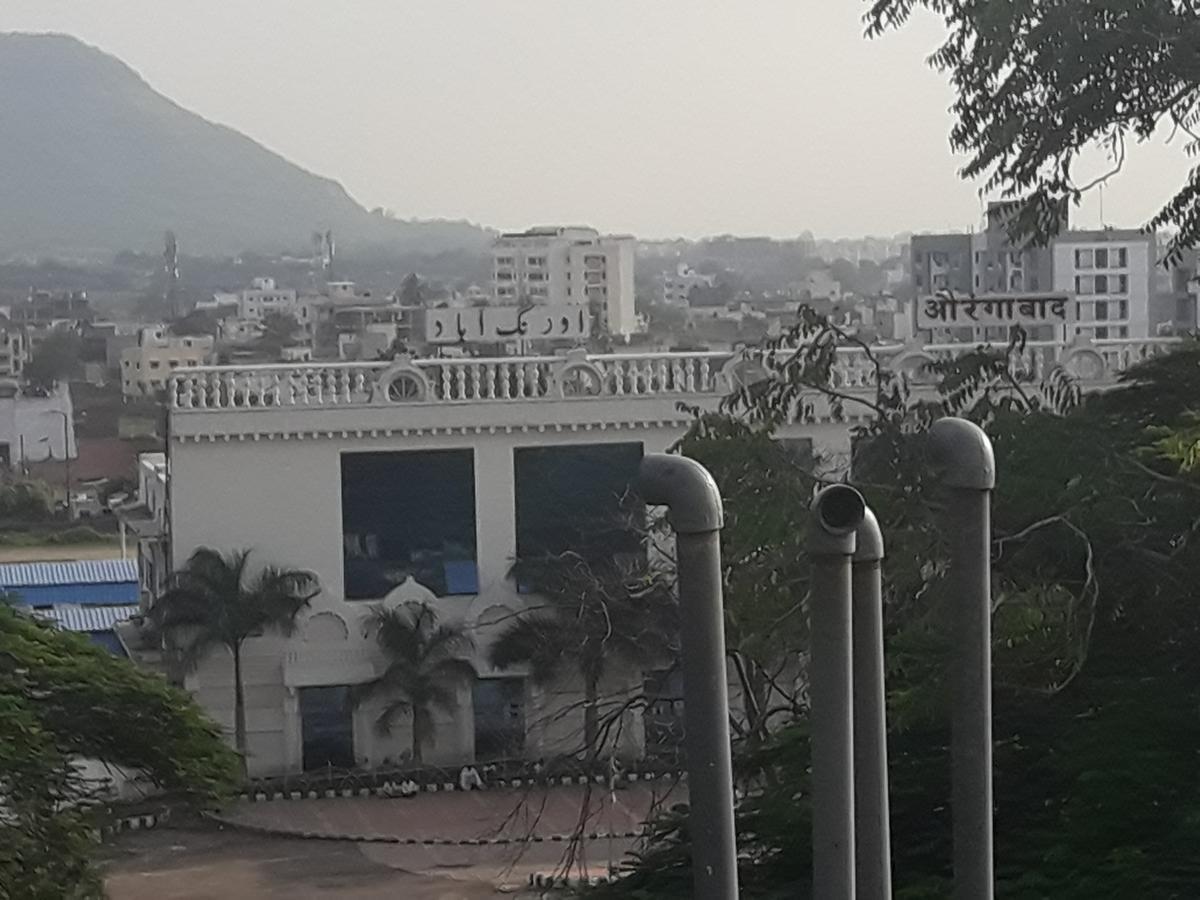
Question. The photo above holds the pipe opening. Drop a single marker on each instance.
(839, 508)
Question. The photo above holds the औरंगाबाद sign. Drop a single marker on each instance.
(496, 324)
(946, 310)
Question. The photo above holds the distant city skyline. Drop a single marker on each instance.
(662, 120)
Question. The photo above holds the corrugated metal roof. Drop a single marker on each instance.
(88, 618)
(84, 571)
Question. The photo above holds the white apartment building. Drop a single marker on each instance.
(144, 521)
(1111, 273)
(263, 298)
(677, 286)
(146, 367)
(572, 266)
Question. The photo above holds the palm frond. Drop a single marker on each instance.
(388, 715)
(543, 641)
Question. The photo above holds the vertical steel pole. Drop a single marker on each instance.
(837, 512)
(696, 514)
(963, 454)
(872, 832)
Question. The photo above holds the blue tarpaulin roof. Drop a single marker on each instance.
(53, 574)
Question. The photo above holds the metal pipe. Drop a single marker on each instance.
(966, 466)
(696, 514)
(872, 832)
(837, 512)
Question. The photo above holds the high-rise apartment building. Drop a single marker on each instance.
(1112, 274)
(572, 266)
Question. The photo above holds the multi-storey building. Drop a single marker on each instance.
(941, 262)
(423, 481)
(263, 298)
(145, 520)
(146, 367)
(569, 266)
(46, 309)
(1112, 275)
(678, 285)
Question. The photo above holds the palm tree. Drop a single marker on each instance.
(212, 601)
(425, 665)
(597, 611)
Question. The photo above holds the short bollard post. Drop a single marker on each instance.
(872, 832)
(837, 511)
(967, 469)
(695, 512)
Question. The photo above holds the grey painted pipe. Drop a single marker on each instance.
(695, 512)
(872, 832)
(962, 454)
(837, 512)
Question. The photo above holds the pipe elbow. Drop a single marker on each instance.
(868, 539)
(687, 490)
(837, 512)
(962, 454)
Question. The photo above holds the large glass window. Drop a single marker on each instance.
(408, 513)
(577, 497)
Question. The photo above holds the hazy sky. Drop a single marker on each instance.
(659, 118)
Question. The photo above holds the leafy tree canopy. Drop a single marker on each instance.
(56, 358)
(63, 698)
(1039, 82)
(1096, 629)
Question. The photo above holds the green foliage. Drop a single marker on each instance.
(214, 602)
(279, 330)
(1039, 82)
(1096, 631)
(56, 359)
(1181, 445)
(79, 534)
(425, 665)
(29, 501)
(412, 290)
(197, 323)
(63, 698)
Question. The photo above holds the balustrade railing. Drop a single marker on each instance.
(576, 376)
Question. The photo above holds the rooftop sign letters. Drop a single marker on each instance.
(945, 310)
(497, 324)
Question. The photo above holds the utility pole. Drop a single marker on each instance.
(66, 455)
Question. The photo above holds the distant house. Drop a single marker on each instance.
(85, 596)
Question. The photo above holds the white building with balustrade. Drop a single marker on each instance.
(425, 479)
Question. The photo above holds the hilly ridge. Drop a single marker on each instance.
(94, 161)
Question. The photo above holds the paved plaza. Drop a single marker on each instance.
(517, 830)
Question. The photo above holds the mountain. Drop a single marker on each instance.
(94, 161)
